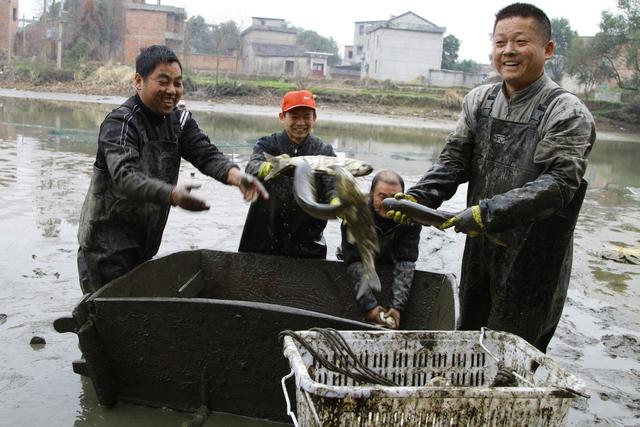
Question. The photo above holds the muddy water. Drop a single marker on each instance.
(46, 153)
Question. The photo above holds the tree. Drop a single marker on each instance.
(450, 47)
(618, 44)
(561, 34)
(226, 38)
(585, 63)
(199, 35)
(317, 43)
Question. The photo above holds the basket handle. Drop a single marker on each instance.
(290, 412)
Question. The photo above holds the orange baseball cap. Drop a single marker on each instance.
(298, 98)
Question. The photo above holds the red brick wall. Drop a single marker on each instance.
(142, 28)
(8, 26)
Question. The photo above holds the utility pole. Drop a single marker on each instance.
(9, 29)
(59, 52)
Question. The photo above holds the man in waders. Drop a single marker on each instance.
(278, 226)
(522, 146)
(134, 182)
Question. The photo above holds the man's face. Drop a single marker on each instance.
(298, 123)
(162, 89)
(382, 191)
(519, 51)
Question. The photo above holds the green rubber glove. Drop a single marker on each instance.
(398, 216)
(265, 168)
(468, 221)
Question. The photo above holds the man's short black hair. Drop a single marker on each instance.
(150, 57)
(525, 10)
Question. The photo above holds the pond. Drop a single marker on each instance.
(46, 153)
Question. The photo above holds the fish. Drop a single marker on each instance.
(354, 211)
(424, 215)
(319, 164)
(418, 213)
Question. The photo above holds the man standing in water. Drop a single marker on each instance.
(278, 226)
(135, 174)
(522, 146)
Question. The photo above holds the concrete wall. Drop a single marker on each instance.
(401, 55)
(275, 66)
(9, 15)
(449, 78)
(269, 37)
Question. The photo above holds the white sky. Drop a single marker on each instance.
(471, 21)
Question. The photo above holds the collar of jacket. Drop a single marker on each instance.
(154, 118)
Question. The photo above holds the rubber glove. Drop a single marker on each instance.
(265, 168)
(251, 188)
(181, 196)
(398, 216)
(335, 201)
(468, 221)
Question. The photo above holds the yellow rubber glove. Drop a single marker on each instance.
(398, 216)
(265, 168)
(335, 201)
(468, 221)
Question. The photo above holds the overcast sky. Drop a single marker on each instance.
(471, 21)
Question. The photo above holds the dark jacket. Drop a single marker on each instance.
(278, 226)
(398, 247)
(524, 158)
(128, 201)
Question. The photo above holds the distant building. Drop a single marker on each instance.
(8, 26)
(347, 57)
(360, 38)
(269, 47)
(403, 48)
(149, 24)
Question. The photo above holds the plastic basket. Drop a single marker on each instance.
(412, 359)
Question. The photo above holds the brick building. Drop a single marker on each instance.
(149, 24)
(8, 27)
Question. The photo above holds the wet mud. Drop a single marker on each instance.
(46, 155)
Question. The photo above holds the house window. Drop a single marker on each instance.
(359, 50)
(361, 29)
(263, 22)
(317, 67)
(350, 55)
(288, 67)
(15, 14)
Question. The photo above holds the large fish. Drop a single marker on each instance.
(424, 215)
(417, 213)
(353, 209)
(319, 164)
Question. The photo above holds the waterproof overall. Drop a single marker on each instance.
(118, 232)
(521, 287)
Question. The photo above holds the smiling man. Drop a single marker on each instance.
(278, 226)
(522, 146)
(135, 174)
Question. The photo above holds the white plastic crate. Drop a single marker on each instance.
(412, 359)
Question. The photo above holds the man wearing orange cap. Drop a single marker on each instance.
(278, 226)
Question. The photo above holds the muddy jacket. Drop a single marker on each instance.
(524, 159)
(278, 226)
(125, 210)
(398, 246)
